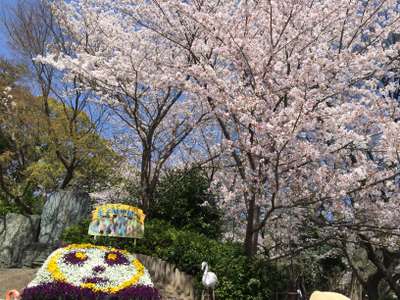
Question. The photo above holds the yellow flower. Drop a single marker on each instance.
(80, 255)
(138, 212)
(112, 256)
(53, 269)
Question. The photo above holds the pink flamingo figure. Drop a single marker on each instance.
(13, 295)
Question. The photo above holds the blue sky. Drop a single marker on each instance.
(4, 50)
(7, 53)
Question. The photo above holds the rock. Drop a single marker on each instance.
(17, 232)
(36, 254)
(61, 210)
(171, 282)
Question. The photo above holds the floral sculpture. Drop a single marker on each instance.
(85, 272)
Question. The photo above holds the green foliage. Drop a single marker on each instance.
(10, 73)
(182, 198)
(8, 208)
(34, 201)
(38, 151)
(239, 277)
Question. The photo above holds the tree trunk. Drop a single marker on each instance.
(25, 208)
(255, 232)
(67, 178)
(301, 285)
(147, 196)
(292, 290)
(145, 178)
(385, 264)
(356, 288)
(251, 234)
(17, 200)
(372, 285)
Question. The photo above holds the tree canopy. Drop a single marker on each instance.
(28, 151)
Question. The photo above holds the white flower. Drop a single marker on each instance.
(98, 268)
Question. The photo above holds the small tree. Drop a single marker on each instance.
(29, 165)
(183, 199)
(32, 30)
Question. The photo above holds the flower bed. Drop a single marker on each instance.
(85, 272)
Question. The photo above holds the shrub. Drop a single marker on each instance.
(32, 201)
(5, 209)
(182, 198)
(239, 277)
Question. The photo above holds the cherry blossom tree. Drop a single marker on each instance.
(154, 111)
(294, 87)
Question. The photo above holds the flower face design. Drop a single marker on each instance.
(100, 269)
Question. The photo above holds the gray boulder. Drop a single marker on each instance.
(17, 232)
(171, 282)
(35, 255)
(61, 210)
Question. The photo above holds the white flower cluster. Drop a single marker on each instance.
(6, 98)
(101, 269)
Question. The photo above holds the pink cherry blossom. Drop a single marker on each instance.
(292, 87)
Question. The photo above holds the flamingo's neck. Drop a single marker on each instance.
(206, 269)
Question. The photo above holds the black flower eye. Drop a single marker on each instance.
(116, 258)
(98, 269)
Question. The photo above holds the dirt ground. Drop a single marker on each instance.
(14, 279)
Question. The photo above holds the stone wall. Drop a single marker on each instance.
(28, 240)
(172, 283)
(61, 210)
(17, 233)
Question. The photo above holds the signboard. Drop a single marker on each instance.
(117, 220)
